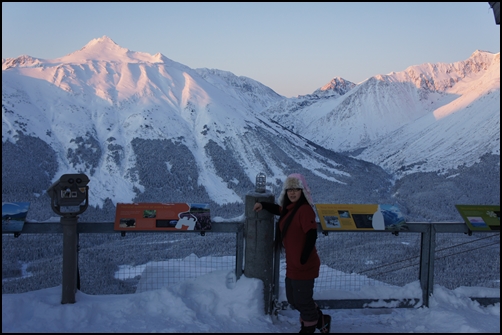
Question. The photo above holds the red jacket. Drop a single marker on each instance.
(294, 241)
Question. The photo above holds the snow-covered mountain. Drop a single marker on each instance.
(146, 128)
(432, 116)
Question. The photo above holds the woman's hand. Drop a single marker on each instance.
(257, 207)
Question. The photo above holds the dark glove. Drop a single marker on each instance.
(310, 239)
(271, 208)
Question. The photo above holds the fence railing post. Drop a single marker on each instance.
(239, 253)
(69, 258)
(259, 245)
(427, 252)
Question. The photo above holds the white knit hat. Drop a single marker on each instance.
(296, 180)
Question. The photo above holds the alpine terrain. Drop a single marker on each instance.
(145, 128)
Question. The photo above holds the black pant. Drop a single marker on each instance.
(300, 296)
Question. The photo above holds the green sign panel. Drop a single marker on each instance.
(480, 217)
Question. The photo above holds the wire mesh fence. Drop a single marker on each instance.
(383, 259)
(369, 259)
(463, 260)
(115, 264)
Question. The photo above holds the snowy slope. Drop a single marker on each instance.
(146, 128)
(449, 110)
(91, 105)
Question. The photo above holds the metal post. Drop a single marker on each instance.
(69, 259)
(432, 256)
(239, 254)
(427, 245)
(259, 249)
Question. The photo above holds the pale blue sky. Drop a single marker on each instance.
(294, 48)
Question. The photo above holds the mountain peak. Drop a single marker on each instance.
(102, 40)
(337, 86)
(486, 57)
(105, 49)
(21, 61)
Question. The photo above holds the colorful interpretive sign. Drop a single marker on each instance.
(162, 216)
(480, 217)
(360, 217)
(13, 216)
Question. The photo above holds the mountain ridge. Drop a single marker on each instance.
(159, 131)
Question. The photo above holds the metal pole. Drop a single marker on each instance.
(69, 259)
(239, 255)
(427, 244)
(259, 249)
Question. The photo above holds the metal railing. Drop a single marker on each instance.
(426, 259)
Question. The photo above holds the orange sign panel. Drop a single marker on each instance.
(162, 216)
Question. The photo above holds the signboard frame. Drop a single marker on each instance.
(480, 217)
(13, 216)
(162, 216)
(361, 217)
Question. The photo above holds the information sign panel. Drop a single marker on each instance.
(480, 217)
(360, 217)
(162, 216)
(13, 216)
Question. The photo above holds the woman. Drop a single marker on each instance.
(298, 234)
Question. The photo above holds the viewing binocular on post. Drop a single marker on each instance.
(69, 190)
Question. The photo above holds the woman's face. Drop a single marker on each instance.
(294, 194)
